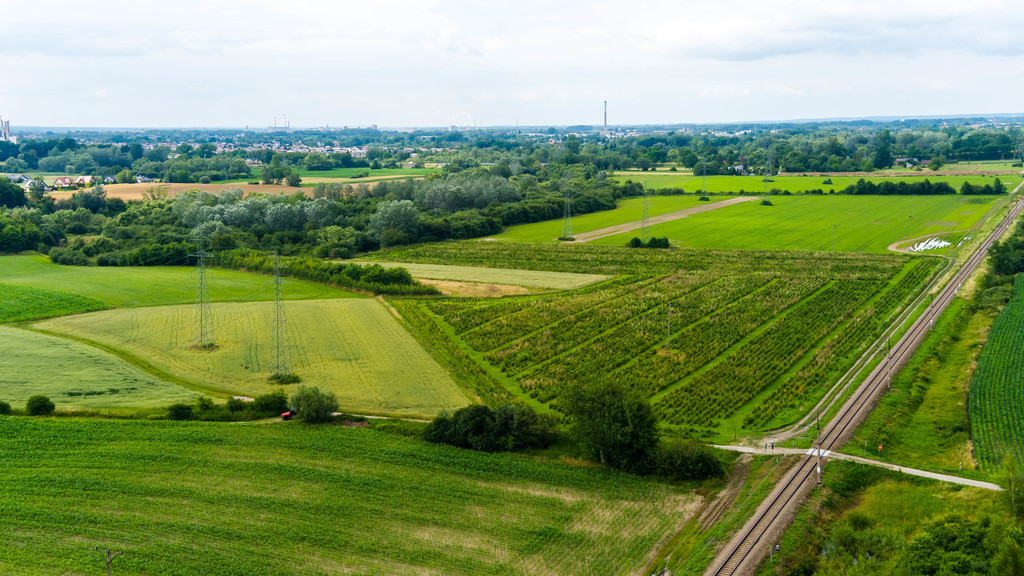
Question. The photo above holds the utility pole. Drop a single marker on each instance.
(204, 319)
(110, 557)
(643, 233)
(567, 218)
(834, 226)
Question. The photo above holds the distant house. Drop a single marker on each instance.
(142, 179)
(63, 182)
(109, 180)
(85, 181)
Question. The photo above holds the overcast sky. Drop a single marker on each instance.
(436, 63)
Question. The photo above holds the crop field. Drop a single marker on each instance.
(795, 184)
(22, 303)
(513, 277)
(151, 286)
(353, 347)
(293, 499)
(76, 375)
(997, 388)
(862, 223)
(628, 210)
(751, 341)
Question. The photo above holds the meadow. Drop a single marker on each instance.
(153, 285)
(720, 341)
(628, 210)
(22, 303)
(798, 183)
(997, 388)
(862, 223)
(75, 375)
(352, 347)
(185, 499)
(508, 276)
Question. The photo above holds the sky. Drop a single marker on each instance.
(396, 63)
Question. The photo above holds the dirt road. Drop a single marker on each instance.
(628, 226)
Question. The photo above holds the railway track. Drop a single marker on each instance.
(750, 545)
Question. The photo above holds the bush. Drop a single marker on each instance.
(686, 461)
(273, 403)
(204, 403)
(179, 411)
(39, 405)
(766, 202)
(5, 408)
(236, 404)
(477, 427)
(313, 404)
(614, 425)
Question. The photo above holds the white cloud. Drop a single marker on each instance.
(395, 62)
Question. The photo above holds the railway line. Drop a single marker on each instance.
(748, 547)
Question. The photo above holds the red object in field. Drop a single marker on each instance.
(879, 447)
(287, 415)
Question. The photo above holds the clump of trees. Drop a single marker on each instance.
(616, 426)
(314, 405)
(235, 409)
(505, 428)
(39, 405)
(636, 242)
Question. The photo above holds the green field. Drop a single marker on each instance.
(76, 375)
(863, 223)
(756, 337)
(794, 184)
(23, 303)
(351, 172)
(353, 347)
(528, 278)
(289, 499)
(151, 286)
(628, 210)
(997, 388)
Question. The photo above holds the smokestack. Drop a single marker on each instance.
(605, 115)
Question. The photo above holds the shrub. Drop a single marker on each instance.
(236, 404)
(179, 411)
(614, 425)
(766, 202)
(477, 427)
(5, 408)
(204, 403)
(273, 403)
(39, 405)
(686, 461)
(313, 404)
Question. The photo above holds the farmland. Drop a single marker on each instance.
(863, 224)
(352, 347)
(150, 286)
(628, 210)
(513, 277)
(796, 184)
(294, 499)
(22, 303)
(997, 388)
(76, 375)
(754, 339)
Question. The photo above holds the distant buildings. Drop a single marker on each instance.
(5, 132)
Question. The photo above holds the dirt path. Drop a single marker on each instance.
(728, 494)
(628, 226)
(896, 467)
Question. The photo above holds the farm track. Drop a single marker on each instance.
(746, 550)
(628, 226)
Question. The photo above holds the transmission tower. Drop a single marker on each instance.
(643, 231)
(204, 319)
(567, 218)
(279, 363)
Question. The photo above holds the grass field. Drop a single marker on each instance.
(151, 286)
(997, 388)
(351, 172)
(629, 210)
(923, 422)
(186, 499)
(75, 375)
(863, 223)
(505, 276)
(867, 520)
(353, 347)
(23, 303)
(795, 184)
